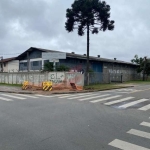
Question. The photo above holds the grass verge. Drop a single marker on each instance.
(12, 85)
(103, 86)
(138, 82)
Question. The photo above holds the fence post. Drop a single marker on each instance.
(1, 78)
(109, 78)
(121, 77)
(88, 78)
(12, 78)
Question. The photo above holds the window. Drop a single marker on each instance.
(46, 61)
(4, 64)
(25, 64)
(35, 63)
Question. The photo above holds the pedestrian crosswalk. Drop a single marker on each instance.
(108, 99)
(104, 99)
(133, 103)
(120, 100)
(145, 108)
(124, 90)
(125, 145)
(145, 124)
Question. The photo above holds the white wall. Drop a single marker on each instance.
(58, 78)
(11, 66)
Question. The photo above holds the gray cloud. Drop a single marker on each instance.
(40, 23)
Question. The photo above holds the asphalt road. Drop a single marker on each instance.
(109, 120)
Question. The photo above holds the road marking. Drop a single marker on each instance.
(82, 96)
(133, 103)
(141, 90)
(118, 101)
(103, 99)
(73, 95)
(125, 90)
(24, 95)
(93, 97)
(147, 124)
(126, 146)
(113, 91)
(5, 99)
(139, 133)
(13, 96)
(145, 108)
(51, 95)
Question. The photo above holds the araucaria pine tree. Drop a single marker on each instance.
(91, 16)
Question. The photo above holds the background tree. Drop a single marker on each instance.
(90, 15)
(143, 65)
(62, 68)
(49, 67)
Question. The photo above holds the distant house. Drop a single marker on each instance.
(9, 65)
(31, 60)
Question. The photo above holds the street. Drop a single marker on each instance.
(104, 120)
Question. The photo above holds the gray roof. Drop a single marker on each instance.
(79, 56)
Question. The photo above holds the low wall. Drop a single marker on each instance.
(36, 78)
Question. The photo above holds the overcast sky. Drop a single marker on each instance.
(40, 23)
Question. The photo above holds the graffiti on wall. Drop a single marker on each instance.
(56, 77)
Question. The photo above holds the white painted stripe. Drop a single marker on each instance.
(50, 95)
(13, 96)
(139, 133)
(104, 99)
(113, 92)
(94, 97)
(118, 101)
(123, 90)
(147, 124)
(5, 99)
(145, 108)
(24, 95)
(126, 146)
(86, 95)
(133, 103)
(73, 95)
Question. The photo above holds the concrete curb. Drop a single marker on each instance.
(68, 92)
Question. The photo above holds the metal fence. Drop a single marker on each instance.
(96, 77)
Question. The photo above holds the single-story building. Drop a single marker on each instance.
(31, 60)
(9, 65)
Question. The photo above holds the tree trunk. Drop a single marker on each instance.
(87, 64)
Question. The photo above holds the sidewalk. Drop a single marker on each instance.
(12, 89)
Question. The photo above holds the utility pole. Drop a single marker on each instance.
(28, 62)
(2, 63)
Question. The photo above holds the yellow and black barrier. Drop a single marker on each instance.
(47, 85)
(25, 85)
